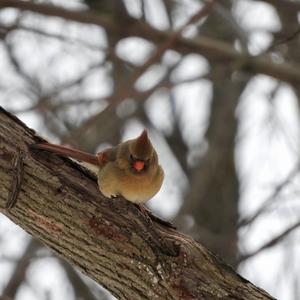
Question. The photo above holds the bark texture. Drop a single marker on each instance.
(109, 240)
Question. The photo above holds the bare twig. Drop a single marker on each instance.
(211, 48)
(247, 220)
(20, 27)
(18, 276)
(81, 290)
(128, 90)
(271, 243)
(287, 39)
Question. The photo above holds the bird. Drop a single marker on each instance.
(131, 169)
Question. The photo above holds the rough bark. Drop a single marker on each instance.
(109, 240)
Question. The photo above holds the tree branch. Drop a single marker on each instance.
(270, 243)
(18, 276)
(212, 49)
(109, 240)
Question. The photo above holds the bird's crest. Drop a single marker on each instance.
(143, 147)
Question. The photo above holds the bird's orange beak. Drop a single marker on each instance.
(139, 165)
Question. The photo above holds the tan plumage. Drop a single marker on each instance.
(130, 169)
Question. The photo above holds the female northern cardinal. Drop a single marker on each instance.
(130, 169)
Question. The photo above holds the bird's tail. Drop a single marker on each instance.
(66, 152)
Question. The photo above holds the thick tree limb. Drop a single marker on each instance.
(109, 240)
(212, 49)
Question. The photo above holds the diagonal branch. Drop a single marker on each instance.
(270, 200)
(81, 289)
(271, 243)
(19, 273)
(108, 240)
